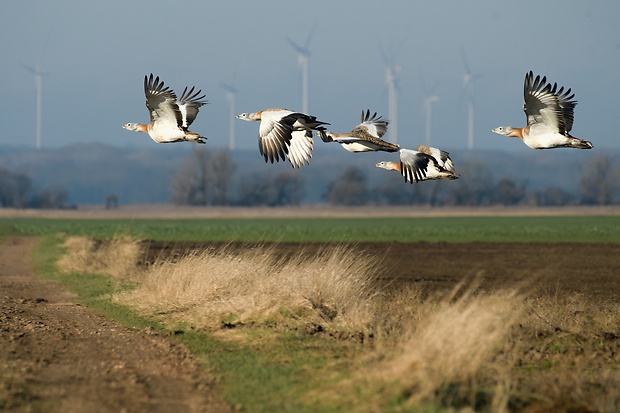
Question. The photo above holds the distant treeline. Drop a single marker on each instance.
(188, 175)
(16, 191)
(206, 179)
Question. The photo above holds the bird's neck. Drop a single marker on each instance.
(140, 127)
(518, 132)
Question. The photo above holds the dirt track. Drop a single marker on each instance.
(58, 356)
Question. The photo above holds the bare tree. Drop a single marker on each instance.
(507, 192)
(474, 187)
(55, 197)
(23, 188)
(288, 188)
(7, 188)
(220, 171)
(204, 179)
(111, 201)
(283, 188)
(189, 186)
(255, 189)
(350, 188)
(599, 181)
(552, 196)
(15, 189)
(393, 192)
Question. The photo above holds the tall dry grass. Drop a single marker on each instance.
(442, 351)
(117, 257)
(213, 288)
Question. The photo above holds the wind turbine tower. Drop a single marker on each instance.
(428, 114)
(38, 80)
(231, 93)
(303, 56)
(468, 84)
(391, 78)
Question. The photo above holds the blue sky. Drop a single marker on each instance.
(97, 53)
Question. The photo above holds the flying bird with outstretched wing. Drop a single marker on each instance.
(549, 114)
(285, 133)
(170, 117)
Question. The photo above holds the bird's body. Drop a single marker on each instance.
(442, 157)
(170, 117)
(549, 113)
(283, 133)
(365, 137)
(422, 165)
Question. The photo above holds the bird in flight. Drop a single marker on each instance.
(364, 137)
(170, 117)
(549, 114)
(425, 164)
(284, 133)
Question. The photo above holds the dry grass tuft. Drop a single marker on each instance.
(117, 257)
(214, 288)
(447, 354)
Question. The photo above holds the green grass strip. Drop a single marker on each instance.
(93, 290)
(574, 229)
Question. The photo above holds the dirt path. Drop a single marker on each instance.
(58, 356)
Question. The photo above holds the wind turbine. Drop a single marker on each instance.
(391, 78)
(303, 55)
(38, 80)
(231, 92)
(468, 87)
(428, 114)
(429, 99)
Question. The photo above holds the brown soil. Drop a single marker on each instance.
(58, 356)
(541, 269)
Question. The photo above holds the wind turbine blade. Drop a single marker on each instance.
(464, 60)
(310, 35)
(228, 88)
(35, 70)
(29, 68)
(384, 56)
(43, 49)
(389, 57)
(397, 48)
(294, 45)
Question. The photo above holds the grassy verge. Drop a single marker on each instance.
(93, 290)
(269, 371)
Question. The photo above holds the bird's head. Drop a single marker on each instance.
(383, 164)
(247, 116)
(131, 126)
(503, 130)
